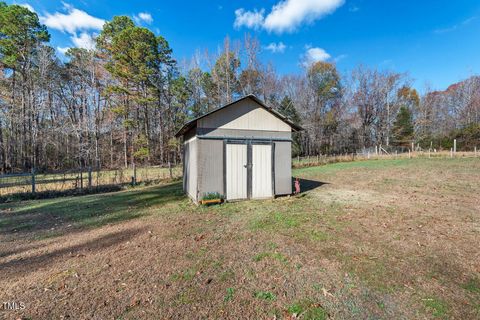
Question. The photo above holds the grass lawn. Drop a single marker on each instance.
(379, 239)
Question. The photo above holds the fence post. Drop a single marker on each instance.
(451, 152)
(170, 169)
(89, 177)
(134, 174)
(81, 178)
(33, 180)
(409, 154)
(455, 146)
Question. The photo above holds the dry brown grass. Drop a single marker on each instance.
(378, 239)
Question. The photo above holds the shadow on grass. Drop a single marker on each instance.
(18, 249)
(308, 185)
(26, 265)
(64, 193)
(54, 217)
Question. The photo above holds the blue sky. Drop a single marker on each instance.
(435, 41)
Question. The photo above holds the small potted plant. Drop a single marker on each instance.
(212, 198)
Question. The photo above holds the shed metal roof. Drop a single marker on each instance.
(189, 125)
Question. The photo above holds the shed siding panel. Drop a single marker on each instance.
(190, 168)
(246, 134)
(283, 168)
(244, 115)
(210, 167)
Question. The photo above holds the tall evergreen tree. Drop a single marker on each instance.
(287, 108)
(21, 37)
(403, 127)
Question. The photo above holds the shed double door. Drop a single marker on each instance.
(248, 171)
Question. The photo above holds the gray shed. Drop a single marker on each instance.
(241, 150)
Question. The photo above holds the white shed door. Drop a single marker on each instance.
(236, 171)
(261, 171)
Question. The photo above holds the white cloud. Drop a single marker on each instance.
(72, 21)
(85, 41)
(276, 47)
(455, 27)
(287, 15)
(340, 58)
(26, 5)
(290, 14)
(313, 55)
(75, 22)
(62, 50)
(143, 17)
(249, 19)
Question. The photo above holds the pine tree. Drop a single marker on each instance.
(403, 127)
(287, 109)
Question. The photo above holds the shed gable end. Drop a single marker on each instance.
(244, 115)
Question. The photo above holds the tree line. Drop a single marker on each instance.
(122, 102)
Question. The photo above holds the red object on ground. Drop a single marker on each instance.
(297, 186)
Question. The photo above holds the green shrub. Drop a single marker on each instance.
(212, 196)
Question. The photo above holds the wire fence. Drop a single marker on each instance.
(317, 160)
(86, 179)
(89, 180)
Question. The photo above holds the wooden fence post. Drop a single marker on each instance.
(89, 177)
(33, 181)
(134, 174)
(81, 178)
